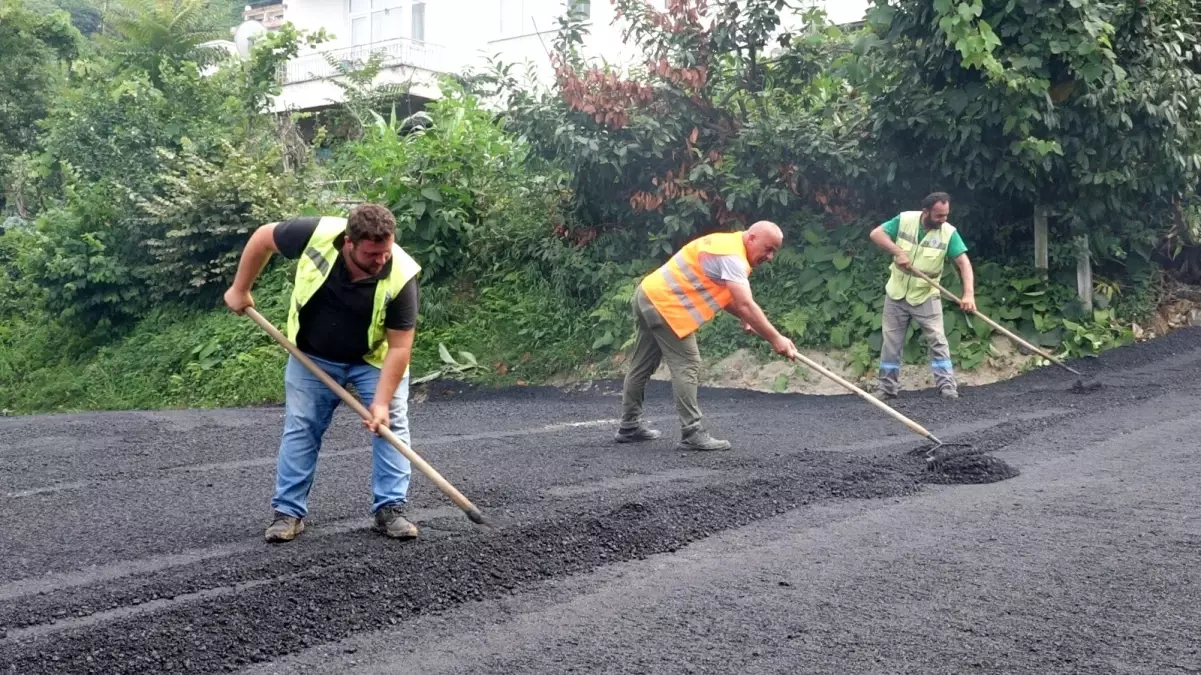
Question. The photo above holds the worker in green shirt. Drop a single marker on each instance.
(923, 240)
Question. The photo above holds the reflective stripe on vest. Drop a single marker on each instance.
(927, 251)
(314, 267)
(681, 292)
(321, 263)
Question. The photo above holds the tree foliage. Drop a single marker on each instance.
(151, 33)
(86, 15)
(197, 223)
(694, 139)
(157, 178)
(448, 184)
(140, 169)
(35, 49)
(1086, 107)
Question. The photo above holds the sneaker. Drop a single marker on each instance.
(702, 441)
(390, 523)
(637, 434)
(883, 395)
(949, 393)
(284, 528)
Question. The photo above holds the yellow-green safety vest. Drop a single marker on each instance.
(314, 267)
(927, 251)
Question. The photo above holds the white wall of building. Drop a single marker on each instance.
(452, 24)
(422, 37)
(517, 31)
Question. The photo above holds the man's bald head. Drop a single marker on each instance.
(762, 240)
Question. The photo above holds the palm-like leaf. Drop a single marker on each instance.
(148, 31)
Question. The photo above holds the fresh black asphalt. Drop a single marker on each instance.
(1066, 538)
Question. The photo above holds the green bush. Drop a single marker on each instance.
(159, 177)
(93, 269)
(459, 183)
(196, 228)
(518, 326)
(174, 357)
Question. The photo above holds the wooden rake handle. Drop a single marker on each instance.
(917, 428)
(457, 497)
(921, 275)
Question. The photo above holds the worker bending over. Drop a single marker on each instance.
(709, 274)
(353, 311)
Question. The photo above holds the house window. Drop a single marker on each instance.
(380, 20)
(581, 10)
(523, 17)
(418, 32)
(510, 18)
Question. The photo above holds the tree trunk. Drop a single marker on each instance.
(1041, 241)
(1084, 273)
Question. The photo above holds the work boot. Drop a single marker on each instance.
(390, 523)
(702, 441)
(636, 434)
(884, 395)
(284, 528)
(949, 393)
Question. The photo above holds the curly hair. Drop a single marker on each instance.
(371, 222)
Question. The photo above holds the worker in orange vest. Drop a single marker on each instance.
(709, 274)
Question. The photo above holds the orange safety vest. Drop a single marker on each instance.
(684, 296)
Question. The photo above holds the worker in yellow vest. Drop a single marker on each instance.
(353, 311)
(709, 274)
(923, 240)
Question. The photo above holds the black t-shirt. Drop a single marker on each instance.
(334, 322)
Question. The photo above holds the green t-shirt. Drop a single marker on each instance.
(955, 248)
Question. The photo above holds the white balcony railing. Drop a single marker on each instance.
(398, 52)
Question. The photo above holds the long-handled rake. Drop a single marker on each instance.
(914, 426)
(462, 502)
(1080, 385)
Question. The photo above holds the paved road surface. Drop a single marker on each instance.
(132, 542)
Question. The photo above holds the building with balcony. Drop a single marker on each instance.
(414, 38)
(270, 13)
(423, 39)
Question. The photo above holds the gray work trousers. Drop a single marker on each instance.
(928, 316)
(654, 342)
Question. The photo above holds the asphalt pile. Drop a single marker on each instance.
(967, 466)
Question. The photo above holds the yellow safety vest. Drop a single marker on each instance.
(682, 293)
(313, 268)
(927, 251)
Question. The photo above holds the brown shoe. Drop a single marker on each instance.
(390, 523)
(284, 528)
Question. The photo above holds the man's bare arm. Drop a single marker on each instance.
(880, 238)
(744, 307)
(254, 258)
(969, 282)
(400, 353)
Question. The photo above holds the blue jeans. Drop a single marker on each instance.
(310, 408)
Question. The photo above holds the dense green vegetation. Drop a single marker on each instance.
(134, 164)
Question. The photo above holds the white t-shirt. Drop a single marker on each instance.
(723, 269)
